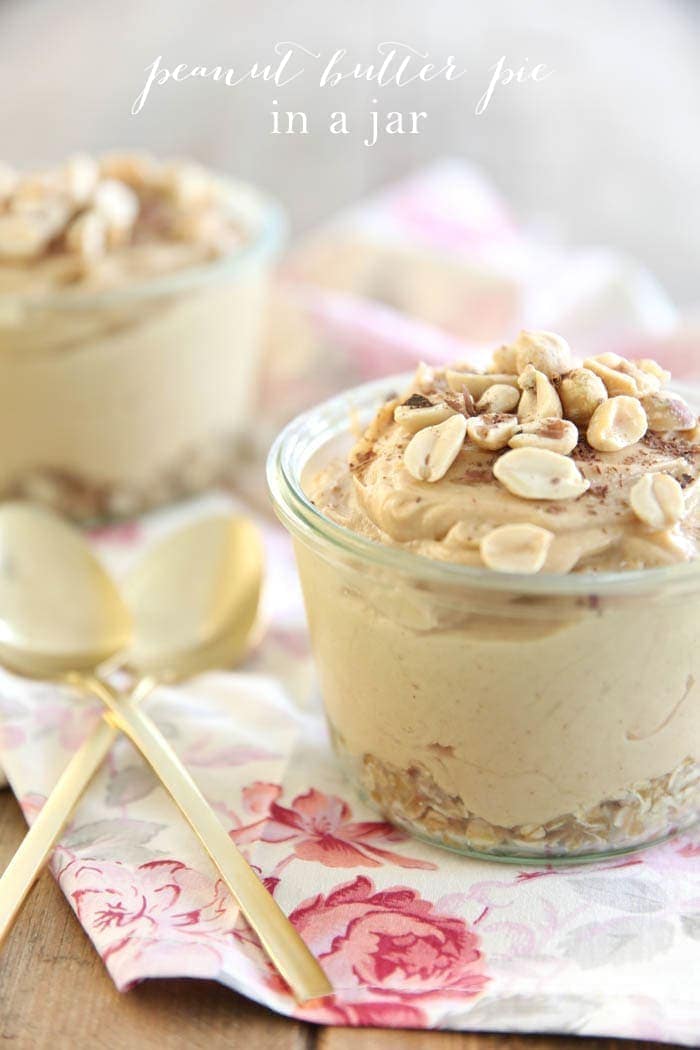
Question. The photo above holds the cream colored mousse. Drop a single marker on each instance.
(539, 727)
(103, 223)
(117, 373)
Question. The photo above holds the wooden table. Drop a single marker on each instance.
(55, 993)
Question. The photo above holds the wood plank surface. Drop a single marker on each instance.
(377, 1038)
(55, 994)
(380, 1039)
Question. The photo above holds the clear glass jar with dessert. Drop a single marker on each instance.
(503, 591)
(132, 294)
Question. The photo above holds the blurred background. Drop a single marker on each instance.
(569, 205)
(606, 150)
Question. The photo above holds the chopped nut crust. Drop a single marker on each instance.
(639, 814)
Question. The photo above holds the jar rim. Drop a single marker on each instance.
(309, 432)
(265, 224)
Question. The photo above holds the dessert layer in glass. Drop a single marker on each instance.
(132, 294)
(508, 648)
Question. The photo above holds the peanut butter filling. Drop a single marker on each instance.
(93, 224)
(491, 719)
(609, 479)
(128, 357)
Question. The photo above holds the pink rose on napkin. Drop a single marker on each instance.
(320, 828)
(153, 920)
(395, 944)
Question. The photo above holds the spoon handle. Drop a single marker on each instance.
(36, 846)
(280, 940)
(34, 850)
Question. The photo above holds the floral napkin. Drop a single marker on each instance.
(436, 269)
(410, 936)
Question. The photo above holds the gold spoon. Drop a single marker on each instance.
(56, 599)
(194, 598)
(206, 621)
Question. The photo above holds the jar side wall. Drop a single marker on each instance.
(514, 728)
(134, 407)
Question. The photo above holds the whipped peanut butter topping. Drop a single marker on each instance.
(602, 459)
(98, 223)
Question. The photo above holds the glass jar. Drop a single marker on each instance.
(519, 718)
(115, 401)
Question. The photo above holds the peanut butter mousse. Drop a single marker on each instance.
(130, 322)
(522, 725)
(96, 223)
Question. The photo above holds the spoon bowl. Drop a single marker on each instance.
(194, 598)
(60, 611)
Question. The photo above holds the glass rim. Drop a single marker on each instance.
(314, 428)
(265, 223)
